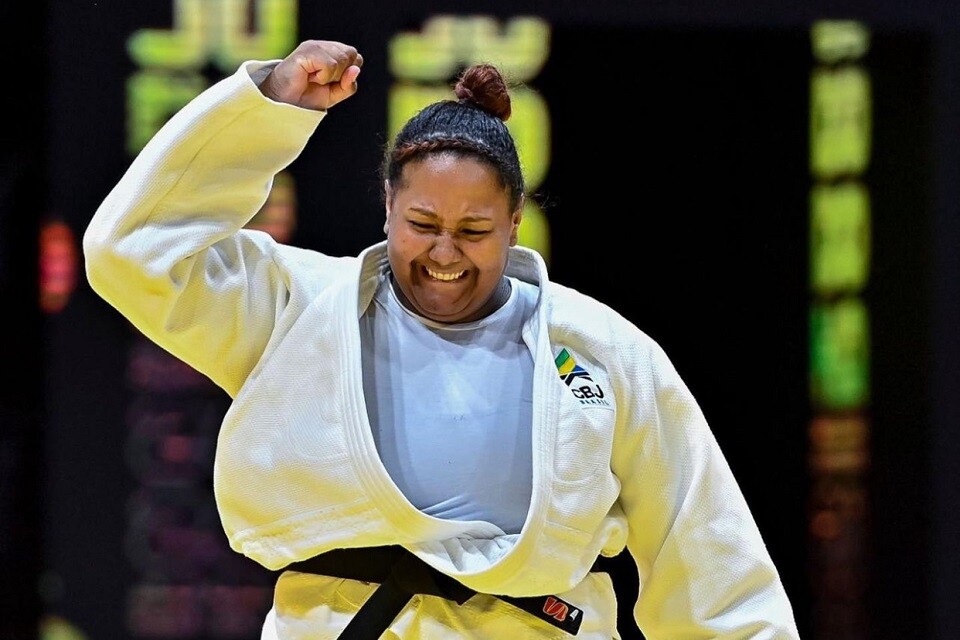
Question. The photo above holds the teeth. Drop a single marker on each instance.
(445, 277)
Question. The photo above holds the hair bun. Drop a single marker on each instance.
(483, 85)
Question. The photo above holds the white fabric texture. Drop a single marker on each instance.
(622, 453)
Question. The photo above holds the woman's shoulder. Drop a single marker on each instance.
(303, 266)
(574, 311)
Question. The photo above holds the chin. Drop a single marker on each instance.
(443, 314)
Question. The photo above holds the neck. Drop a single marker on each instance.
(496, 300)
(499, 297)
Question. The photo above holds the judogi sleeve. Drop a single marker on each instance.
(166, 247)
(704, 569)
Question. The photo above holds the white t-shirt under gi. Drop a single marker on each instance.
(450, 406)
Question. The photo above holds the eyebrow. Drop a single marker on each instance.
(431, 214)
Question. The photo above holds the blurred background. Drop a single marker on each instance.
(770, 190)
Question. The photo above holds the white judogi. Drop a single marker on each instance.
(621, 452)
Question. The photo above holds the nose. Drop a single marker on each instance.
(444, 250)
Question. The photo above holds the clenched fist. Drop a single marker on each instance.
(316, 75)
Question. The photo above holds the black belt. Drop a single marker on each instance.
(402, 575)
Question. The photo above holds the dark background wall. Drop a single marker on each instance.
(21, 358)
(677, 192)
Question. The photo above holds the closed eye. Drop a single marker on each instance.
(430, 227)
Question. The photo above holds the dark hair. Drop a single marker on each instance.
(473, 125)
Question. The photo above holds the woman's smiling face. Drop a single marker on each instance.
(449, 229)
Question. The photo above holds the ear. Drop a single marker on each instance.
(387, 200)
(515, 221)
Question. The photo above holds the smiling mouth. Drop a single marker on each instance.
(445, 277)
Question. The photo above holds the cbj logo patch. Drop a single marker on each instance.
(578, 379)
